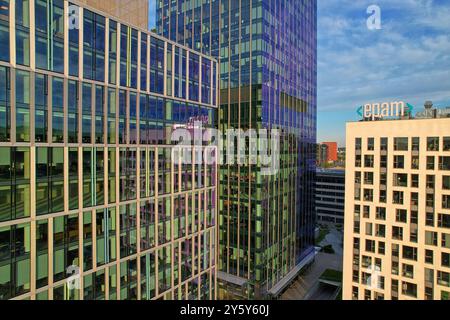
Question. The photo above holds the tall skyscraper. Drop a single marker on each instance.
(267, 52)
(93, 204)
(134, 12)
(397, 209)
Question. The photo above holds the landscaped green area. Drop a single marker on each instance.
(324, 230)
(332, 275)
(328, 249)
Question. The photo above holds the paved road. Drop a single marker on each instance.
(335, 238)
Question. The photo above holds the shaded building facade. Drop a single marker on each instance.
(267, 53)
(330, 195)
(89, 185)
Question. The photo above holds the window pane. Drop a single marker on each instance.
(5, 104)
(50, 35)
(41, 253)
(72, 121)
(58, 110)
(87, 113)
(23, 32)
(74, 35)
(22, 106)
(41, 107)
(4, 31)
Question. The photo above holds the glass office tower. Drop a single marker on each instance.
(88, 183)
(267, 51)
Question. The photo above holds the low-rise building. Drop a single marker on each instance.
(330, 195)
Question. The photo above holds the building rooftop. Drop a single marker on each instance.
(331, 171)
(396, 113)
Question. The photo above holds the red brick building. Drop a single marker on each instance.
(332, 154)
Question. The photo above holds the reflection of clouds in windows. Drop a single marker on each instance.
(152, 14)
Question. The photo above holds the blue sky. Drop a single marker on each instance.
(408, 59)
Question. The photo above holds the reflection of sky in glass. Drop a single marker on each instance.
(152, 14)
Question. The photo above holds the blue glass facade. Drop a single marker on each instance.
(268, 52)
(88, 180)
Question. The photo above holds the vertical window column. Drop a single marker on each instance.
(4, 31)
(15, 265)
(133, 119)
(23, 32)
(206, 81)
(14, 183)
(22, 92)
(194, 76)
(73, 179)
(123, 119)
(180, 73)
(74, 42)
(65, 246)
(156, 65)
(99, 114)
(87, 113)
(49, 180)
(72, 114)
(41, 108)
(57, 110)
(144, 51)
(112, 52)
(112, 116)
(50, 35)
(93, 46)
(143, 119)
(169, 70)
(112, 175)
(5, 102)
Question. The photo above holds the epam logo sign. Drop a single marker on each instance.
(385, 110)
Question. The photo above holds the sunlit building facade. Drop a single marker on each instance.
(88, 183)
(397, 209)
(267, 51)
(134, 12)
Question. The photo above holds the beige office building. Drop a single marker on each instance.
(397, 211)
(130, 11)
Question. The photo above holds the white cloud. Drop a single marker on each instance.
(409, 58)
